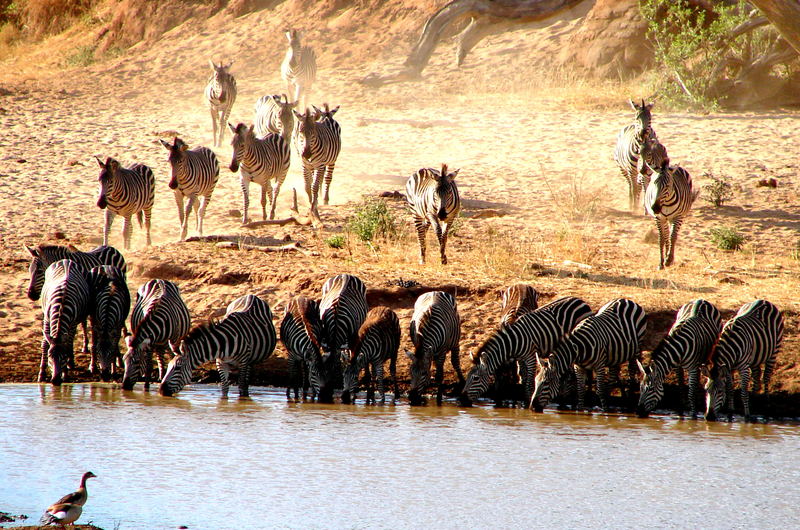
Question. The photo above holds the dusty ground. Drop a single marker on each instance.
(536, 145)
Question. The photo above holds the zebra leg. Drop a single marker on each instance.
(744, 383)
(307, 177)
(85, 339)
(393, 372)
(264, 200)
(179, 201)
(304, 377)
(442, 236)
(377, 368)
(316, 184)
(694, 380)
(679, 377)
(244, 380)
(455, 360)
(439, 379)
(148, 214)
(527, 368)
(729, 395)
(43, 363)
(293, 365)
(422, 229)
(661, 224)
(580, 376)
(673, 238)
(328, 178)
(224, 378)
(127, 229)
(756, 378)
(107, 227)
(202, 212)
(244, 180)
(602, 387)
(276, 188)
(214, 117)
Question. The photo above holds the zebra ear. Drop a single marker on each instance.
(538, 360)
(167, 145)
(277, 97)
(33, 252)
(252, 128)
(641, 367)
(234, 129)
(334, 110)
(112, 164)
(212, 65)
(100, 162)
(230, 63)
(454, 174)
(633, 105)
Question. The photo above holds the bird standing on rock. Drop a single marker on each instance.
(68, 508)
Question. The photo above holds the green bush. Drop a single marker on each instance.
(719, 191)
(81, 56)
(371, 220)
(336, 241)
(727, 238)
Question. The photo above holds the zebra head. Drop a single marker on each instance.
(717, 384)
(643, 116)
(651, 389)
(351, 368)
(285, 116)
(58, 356)
(179, 370)
(658, 187)
(108, 169)
(134, 360)
(221, 71)
(444, 183)
(242, 135)
(420, 375)
(36, 269)
(177, 151)
(306, 129)
(293, 36)
(477, 381)
(548, 382)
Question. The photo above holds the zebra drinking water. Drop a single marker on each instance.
(301, 329)
(318, 143)
(668, 199)
(435, 329)
(432, 197)
(274, 115)
(750, 339)
(377, 342)
(220, 94)
(686, 346)
(110, 305)
(264, 162)
(65, 304)
(629, 146)
(194, 175)
(299, 68)
(159, 317)
(243, 338)
(126, 192)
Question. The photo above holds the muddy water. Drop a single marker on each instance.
(264, 463)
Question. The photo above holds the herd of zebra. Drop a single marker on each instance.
(331, 341)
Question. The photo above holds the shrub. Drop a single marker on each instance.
(719, 191)
(51, 16)
(336, 241)
(727, 238)
(372, 219)
(81, 56)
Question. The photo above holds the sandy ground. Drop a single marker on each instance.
(540, 153)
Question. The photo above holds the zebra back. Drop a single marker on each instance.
(433, 194)
(750, 338)
(274, 115)
(159, 314)
(125, 191)
(194, 171)
(263, 159)
(43, 256)
(435, 325)
(517, 300)
(65, 300)
(342, 310)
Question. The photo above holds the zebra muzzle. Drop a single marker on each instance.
(101, 202)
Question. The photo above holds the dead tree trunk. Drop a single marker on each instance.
(785, 16)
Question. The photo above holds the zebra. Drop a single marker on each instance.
(261, 161)
(435, 329)
(629, 145)
(517, 300)
(126, 192)
(653, 154)
(378, 341)
(65, 304)
(220, 93)
(686, 346)
(43, 256)
(751, 338)
(159, 317)
(243, 338)
(110, 305)
(433, 199)
(274, 115)
(300, 330)
(299, 68)
(532, 334)
(668, 199)
(599, 343)
(194, 174)
(318, 143)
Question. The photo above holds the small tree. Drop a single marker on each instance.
(719, 191)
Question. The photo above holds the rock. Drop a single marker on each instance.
(58, 235)
(234, 213)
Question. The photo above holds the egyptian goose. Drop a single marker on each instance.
(68, 508)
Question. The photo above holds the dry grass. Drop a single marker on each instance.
(44, 17)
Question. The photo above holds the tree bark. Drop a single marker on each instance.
(785, 16)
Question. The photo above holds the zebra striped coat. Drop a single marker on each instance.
(65, 304)
(274, 115)
(126, 192)
(159, 317)
(686, 346)
(220, 94)
(110, 305)
(629, 146)
(242, 339)
(45, 255)
(299, 68)
(194, 174)
(653, 155)
(669, 200)
(433, 199)
(750, 339)
(378, 342)
(300, 331)
(318, 143)
(435, 329)
(599, 343)
(262, 162)
(534, 333)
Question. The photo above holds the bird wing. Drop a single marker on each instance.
(70, 498)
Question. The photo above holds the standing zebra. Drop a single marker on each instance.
(299, 68)
(301, 329)
(669, 198)
(378, 341)
(686, 346)
(110, 305)
(599, 343)
(435, 329)
(629, 146)
(126, 192)
(433, 199)
(242, 339)
(159, 317)
(653, 154)
(517, 300)
(194, 174)
(748, 340)
(261, 161)
(318, 143)
(534, 333)
(274, 115)
(220, 93)
(65, 304)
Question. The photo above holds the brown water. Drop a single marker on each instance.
(202, 462)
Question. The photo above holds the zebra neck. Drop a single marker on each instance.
(206, 346)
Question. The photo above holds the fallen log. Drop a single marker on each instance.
(294, 245)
